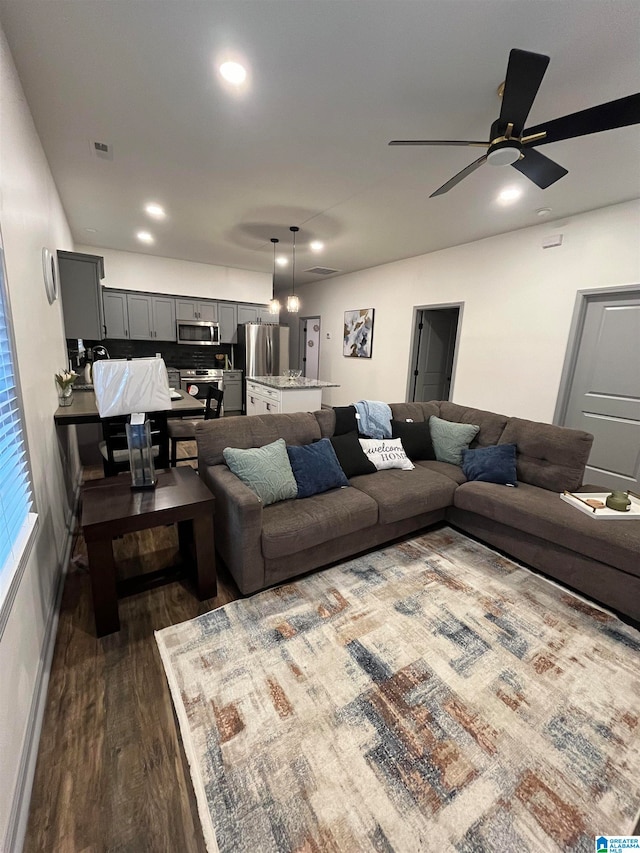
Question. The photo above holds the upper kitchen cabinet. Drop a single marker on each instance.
(255, 314)
(191, 309)
(151, 317)
(116, 318)
(228, 320)
(81, 292)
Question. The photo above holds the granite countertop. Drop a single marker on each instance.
(283, 383)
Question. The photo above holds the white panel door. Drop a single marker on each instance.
(605, 391)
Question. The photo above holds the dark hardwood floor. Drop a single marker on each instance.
(111, 773)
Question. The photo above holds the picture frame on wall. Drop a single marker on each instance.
(358, 333)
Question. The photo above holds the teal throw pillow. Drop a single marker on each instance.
(450, 439)
(266, 470)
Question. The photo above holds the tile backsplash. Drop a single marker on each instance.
(174, 355)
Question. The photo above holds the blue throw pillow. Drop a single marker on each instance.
(496, 464)
(316, 468)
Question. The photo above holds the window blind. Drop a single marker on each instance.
(15, 487)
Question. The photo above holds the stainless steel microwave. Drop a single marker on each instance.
(197, 333)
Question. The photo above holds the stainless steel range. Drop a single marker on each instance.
(196, 382)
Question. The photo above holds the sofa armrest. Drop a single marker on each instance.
(238, 526)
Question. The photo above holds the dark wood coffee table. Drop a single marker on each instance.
(110, 508)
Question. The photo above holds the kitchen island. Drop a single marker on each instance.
(271, 394)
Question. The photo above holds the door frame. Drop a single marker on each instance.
(413, 349)
(575, 338)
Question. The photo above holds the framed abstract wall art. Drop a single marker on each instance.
(358, 333)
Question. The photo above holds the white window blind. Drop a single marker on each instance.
(15, 488)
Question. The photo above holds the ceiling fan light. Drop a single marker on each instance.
(505, 155)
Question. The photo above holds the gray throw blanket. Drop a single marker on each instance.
(375, 418)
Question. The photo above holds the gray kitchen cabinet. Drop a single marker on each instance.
(163, 315)
(247, 314)
(232, 391)
(265, 316)
(140, 317)
(150, 317)
(81, 293)
(116, 318)
(194, 309)
(228, 320)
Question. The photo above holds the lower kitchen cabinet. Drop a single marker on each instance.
(262, 400)
(233, 391)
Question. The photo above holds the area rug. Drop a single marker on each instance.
(430, 696)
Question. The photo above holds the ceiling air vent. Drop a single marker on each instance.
(103, 150)
(322, 271)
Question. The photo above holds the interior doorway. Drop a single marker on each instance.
(433, 356)
(310, 346)
(600, 386)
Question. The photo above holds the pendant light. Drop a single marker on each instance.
(274, 305)
(293, 303)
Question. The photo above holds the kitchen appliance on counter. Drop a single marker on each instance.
(263, 350)
(197, 333)
(196, 381)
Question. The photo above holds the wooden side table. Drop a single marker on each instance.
(110, 508)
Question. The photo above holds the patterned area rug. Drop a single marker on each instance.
(429, 696)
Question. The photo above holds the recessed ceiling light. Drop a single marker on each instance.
(316, 245)
(282, 261)
(543, 211)
(509, 194)
(145, 237)
(154, 210)
(233, 73)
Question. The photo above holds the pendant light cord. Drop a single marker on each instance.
(294, 229)
(274, 240)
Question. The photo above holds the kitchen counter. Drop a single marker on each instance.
(274, 394)
(285, 384)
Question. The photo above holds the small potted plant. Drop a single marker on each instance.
(64, 381)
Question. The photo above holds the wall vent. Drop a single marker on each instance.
(321, 271)
(103, 150)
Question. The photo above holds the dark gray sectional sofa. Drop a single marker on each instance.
(268, 545)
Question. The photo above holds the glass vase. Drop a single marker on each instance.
(65, 396)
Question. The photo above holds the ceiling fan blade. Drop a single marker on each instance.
(539, 169)
(620, 113)
(524, 76)
(437, 142)
(459, 177)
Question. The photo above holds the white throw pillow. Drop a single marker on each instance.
(386, 453)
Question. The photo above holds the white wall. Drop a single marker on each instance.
(31, 217)
(518, 304)
(134, 271)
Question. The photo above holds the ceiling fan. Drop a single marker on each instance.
(511, 144)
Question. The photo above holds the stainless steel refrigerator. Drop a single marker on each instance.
(262, 350)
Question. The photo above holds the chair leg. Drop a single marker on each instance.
(174, 452)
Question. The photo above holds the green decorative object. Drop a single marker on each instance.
(619, 501)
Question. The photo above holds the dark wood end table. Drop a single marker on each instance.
(111, 508)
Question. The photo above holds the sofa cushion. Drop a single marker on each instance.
(386, 453)
(403, 494)
(450, 439)
(253, 431)
(352, 458)
(491, 425)
(415, 437)
(266, 470)
(326, 419)
(543, 514)
(549, 456)
(453, 472)
(293, 526)
(316, 468)
(494, 464)
(417, 412)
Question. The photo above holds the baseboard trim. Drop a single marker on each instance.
(19, 815)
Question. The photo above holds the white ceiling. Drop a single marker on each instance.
(331, 82)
